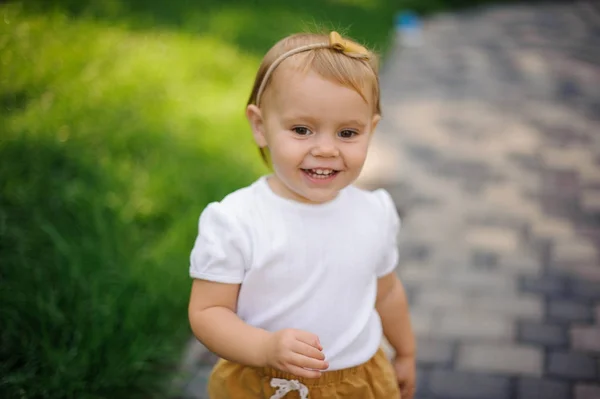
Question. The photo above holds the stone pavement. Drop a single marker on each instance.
(490, 145)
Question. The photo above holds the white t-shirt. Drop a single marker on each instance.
(303, 266)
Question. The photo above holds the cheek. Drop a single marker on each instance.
(357, 153)
(286, 151)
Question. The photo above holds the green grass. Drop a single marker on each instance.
(112, 142)
(251, 26)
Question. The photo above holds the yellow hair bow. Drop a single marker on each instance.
(349, 48)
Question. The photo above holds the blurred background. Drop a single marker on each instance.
(121, 119)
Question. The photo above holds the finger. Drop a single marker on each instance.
(300, 372)
(308, 338)
(408, 392)
(308, 363)
(308, 350)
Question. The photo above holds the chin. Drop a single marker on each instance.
(319, 198)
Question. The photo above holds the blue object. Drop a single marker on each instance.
(407, 20)
(408, 28)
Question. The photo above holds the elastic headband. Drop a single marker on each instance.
(336, 42)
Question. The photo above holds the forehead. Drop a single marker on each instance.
(293, 91)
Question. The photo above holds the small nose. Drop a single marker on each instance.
(325, 146)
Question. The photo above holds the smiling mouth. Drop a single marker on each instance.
(321, 173)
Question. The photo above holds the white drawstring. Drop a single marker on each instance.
(285, 386)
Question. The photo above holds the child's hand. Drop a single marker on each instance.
(406, 374)
(297, 352)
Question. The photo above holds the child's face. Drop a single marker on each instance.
(317, 132)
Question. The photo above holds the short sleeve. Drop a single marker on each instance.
(391, 223)
(220, 250)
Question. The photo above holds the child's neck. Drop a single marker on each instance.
(279, 188)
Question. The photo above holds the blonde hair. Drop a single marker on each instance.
(354, 69)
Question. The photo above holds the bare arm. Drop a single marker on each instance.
(213, 319)
(214, 322)
(392, 307)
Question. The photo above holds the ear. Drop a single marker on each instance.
(255, 117)
(375, 122)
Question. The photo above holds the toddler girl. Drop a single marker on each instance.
(294, 278)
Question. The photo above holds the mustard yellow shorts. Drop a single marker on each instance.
(374, 379)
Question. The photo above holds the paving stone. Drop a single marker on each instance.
(522, 306)
(516, 264)
(589, 174)
(505, 359)
(441, 298)
(585, 391)
(418, 275)
(550, 335)
(585, 289)
(434, 352)
(473, 325)
(197, 387)
(483, 260)
(565, 159)
(415, 251)
(590, 201)
(382, 167)
(486, 281)
(411, 293)
(575, 250)
(422, 382)
(569, 311)
(537, 388)
(589, 230)
(493, 239)
(421, 321)
(552, 228)
(587, 271)
(460, 385)
(554, 286)
(572, 365)
(504, 195)
(586, 338)
(194, 354)
(486, 214)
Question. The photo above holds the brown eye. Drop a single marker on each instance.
(301, 130)
(347, 134)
